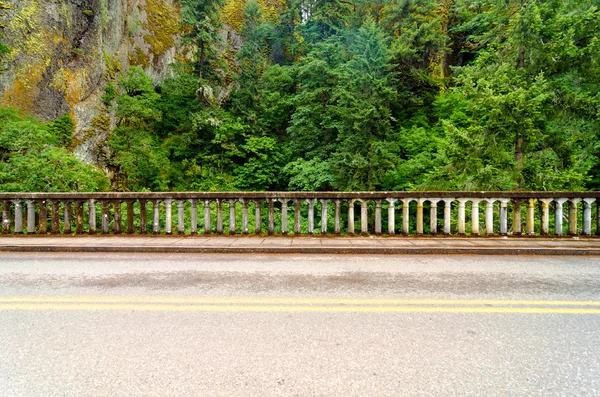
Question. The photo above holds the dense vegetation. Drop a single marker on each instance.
(361, 95)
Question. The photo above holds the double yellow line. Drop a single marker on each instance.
(329, 305)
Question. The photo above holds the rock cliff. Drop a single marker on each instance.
(64, 53)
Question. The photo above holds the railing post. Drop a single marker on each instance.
(91, 220)
(587, 216)
(55, 221)
(258, 217)
(406, 216)
(104, 217)
(118, 217)
(433, 220)
(207, 228)
(517, 221)
(169, 216)
(461, 216)
(67, 217)
(503, 217)
(156, 220)
(545, 221)
(232, 215)
(219, 216)
(364, 220)
(311, 216)
(558, 216)
(245, 227)
(143, 215)
(420, 216)
(597, 218)
(78, 217)
(30, 217)
(271, 217)
(448, 216)
(18, 217)
(5, 217)
(489, 216)
(180, 217)
(378, 217)
(284, 216)
(324, 216)
(43, 218)
(194, 217)
(475, 217)
(351, 217)
(338, 217)
(573, 216)
(297, 204)
(531, 216)
(130, 229)
(391, 216)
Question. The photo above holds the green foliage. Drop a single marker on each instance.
(62, 128)
(30, 159)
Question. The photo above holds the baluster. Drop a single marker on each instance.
(5, 217)
(117, 216)
(448, 216)
(169, 216)
(378, 217)
(194, 217)
(545, 216)
(503, 217)
(245, 216)
(143, 214)
(351, 217)
(587, 216)
(338, 217)
(517, 221)
(30, 217)
(219, 216)
(391, 216)
(364, 220)
(489, 217)
(475, 217)
(67, 217)
(180, 217)
(531, 217)
(207, 228)
(258, 217)
(597, 218)
(573, 216)
(18, 217)
(420, 216)
(104, 217)
(232, 220)
(43, 218)
(433, 226)
(324, 216)
(405, 216)
(271, 215)
(130, 229)
(156, 220)
(461, 216)
(311, 216)
(79, 217)
(284, 217)
(297, 205)
(55, 221)
(91, 221)
(558, 216)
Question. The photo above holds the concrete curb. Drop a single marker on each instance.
(311, 250)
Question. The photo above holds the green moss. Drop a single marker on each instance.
(139, 58)
(113, 66)
(88, 13)
(163, 26)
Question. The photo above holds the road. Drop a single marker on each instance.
(298, 325)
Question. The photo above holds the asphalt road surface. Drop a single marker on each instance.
(298, 325)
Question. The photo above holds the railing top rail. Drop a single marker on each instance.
(516, 195)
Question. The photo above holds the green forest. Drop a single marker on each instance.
(345, 95)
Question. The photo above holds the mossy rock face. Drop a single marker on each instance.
(65, 52)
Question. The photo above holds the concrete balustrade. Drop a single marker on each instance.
(421, 213)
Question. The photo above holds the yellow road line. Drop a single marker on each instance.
(287, 308)
(282, 301)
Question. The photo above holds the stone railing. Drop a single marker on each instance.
(379, 213)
